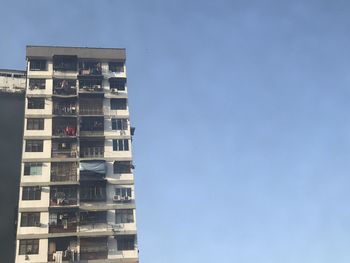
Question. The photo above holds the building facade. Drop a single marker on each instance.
(76, 198)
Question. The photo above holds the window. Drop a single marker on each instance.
(121, 145)
(116, 66)
(37, 84)
(118, 104)
(37, 65)
(28, 246)
(33, 168)
(117, 83)
(35, 124)
(36, 103)
(126, 242)
(34, 145)
(30, 219)
(119, 124)
(124, 216)
(96, 192)
(123, 192)
(122, 167)
(31, 193)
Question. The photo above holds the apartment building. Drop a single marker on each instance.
(76, 198)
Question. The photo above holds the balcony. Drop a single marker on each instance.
(64, 107)
(62, 221)
(93, 221)
(92, 170)
(65, 63)
(63, 247)
(93, 248)
(90, 85)
(90, 68)
(93, 192)
(92, 126)
(91, 148)
(63, 127)
(90, 106)
(64, 87)
(64, 172)
(63, 196)
(64, 148)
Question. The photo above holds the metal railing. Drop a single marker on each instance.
(88, 152)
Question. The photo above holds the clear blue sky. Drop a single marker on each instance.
(242, 119)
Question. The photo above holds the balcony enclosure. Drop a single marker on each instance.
(117, 84)
(93, 191)
(92, 170)
(90, 84)
(64, 148)
(65, 63)
(93, 218)
(91, 106)
(63, 171)
(64, 87)
(64, 127)
(88, 68)
(63, 221)
(90, 126)
(92, 148)
(63, 195)
(64, 107)
(93, 248)
(67, 246)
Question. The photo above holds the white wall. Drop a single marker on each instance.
(43, 202)
(46, 111)
(46, 153)
(43, 229)
(41, 257)
(46, 132)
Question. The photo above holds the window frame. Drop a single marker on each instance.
(124, 216)
(30, 219)
(31, 147)
(37, 84)
(23, 246)
(119, 124)
(27, 171)
(31, 193)
(35, 103)
(42, 65)
(121, 145)
(116, 104)
(35, 124)
(122, 167)
(126, 242)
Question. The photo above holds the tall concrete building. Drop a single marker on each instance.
(76, 198)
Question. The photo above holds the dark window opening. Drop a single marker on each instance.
(90, 68)
(30, 219)
(120, 167)
(35, 124)
(120, 124)
(28, 246)
(116, 66)
(31, 193)
(37, 84)
(121, 145)
(126, 242)
(36, 103)
(37, 65)
(33, 168)
(117, 84)
(118, 104)
(34, 145)
(65, 63)
(123, 216)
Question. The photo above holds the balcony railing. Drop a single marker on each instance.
(92, 253)
(64, 154)
(69, 177)
(64, 109)
(92, 152)
(63, 201)
(64, 131)
(62, 228)
(91, 111)
(69, 256)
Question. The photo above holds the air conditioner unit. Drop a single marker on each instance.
(127, 198)
(114, 90)
(117, 198)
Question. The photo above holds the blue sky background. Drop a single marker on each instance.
(242, 119)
